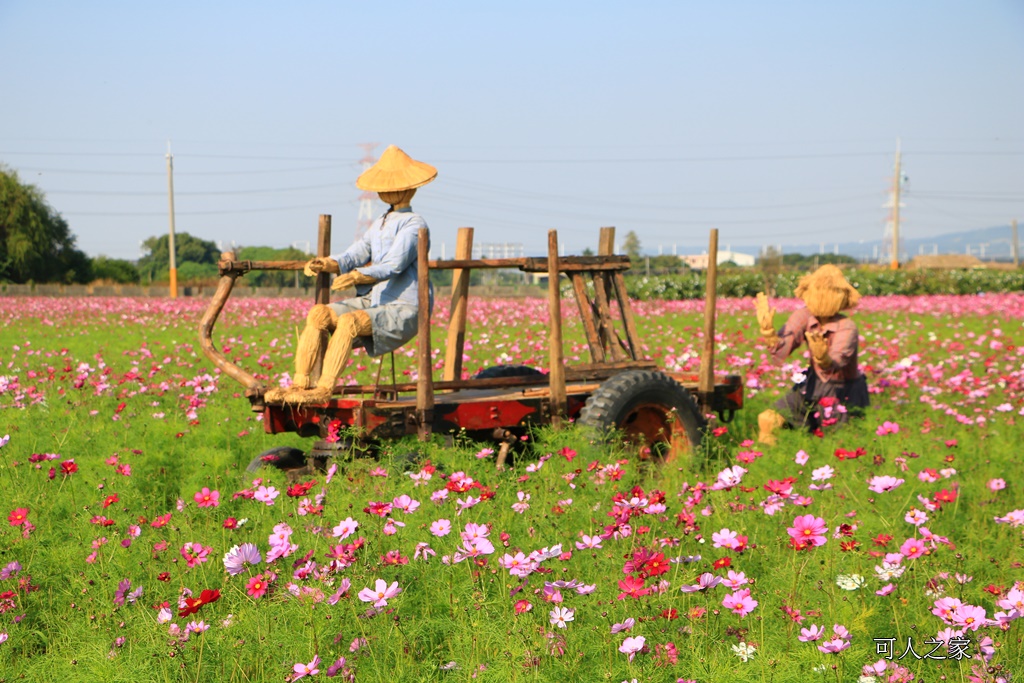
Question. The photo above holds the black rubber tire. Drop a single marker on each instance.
(281, 457)
(508, 371)
(654, 412)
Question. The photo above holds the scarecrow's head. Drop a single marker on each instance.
(395, 177)
(826, 292)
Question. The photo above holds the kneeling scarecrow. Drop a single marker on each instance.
(833, 387)
(382, 266)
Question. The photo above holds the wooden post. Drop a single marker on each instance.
(323, 249)
(425, 378)
(322, 288)
(706, 384)
(460, 301)
(556, 371)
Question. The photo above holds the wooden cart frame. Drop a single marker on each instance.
(508, 399)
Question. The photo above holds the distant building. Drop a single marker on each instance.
(700, 261)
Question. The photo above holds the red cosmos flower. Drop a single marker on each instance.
(192, 605)
(945, 496)
(301, 489)
(567, 453)
(110, 500)
(68, 467)
(161, 520)
(522, 606)
(881, 540)
(655, 566)
(994, 589)
(720, 431)
(722, 563)
(632, 587)
(163, 576)
(847, 546)
(230, 523)
(670, 614)
(18, 516)
(797, 544)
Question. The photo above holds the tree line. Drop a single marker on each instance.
(37, 245)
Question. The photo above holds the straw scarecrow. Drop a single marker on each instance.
(833, 387)
(382, 267)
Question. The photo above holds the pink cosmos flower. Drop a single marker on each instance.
(625, 626)
(945, 608)
(588, 542)
(310, 669)
(405, 504)
(884, 484)
(631, 645)
(912, 548)
(740, 602)
(834, 646)
(345, 528)
(207, 498)
(809, 529)
(380, 594)
(809, 635)
(887, 428)
(441, 527)
(725, 539)
(266, 494)
(257, 586)
(996, 485)
(704, 582)
(969, 617)
(886, 589)
(801, 458)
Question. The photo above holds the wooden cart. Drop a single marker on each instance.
(661, 413)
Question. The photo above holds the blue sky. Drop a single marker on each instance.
(775, 122)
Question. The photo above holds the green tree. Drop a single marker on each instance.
(156, 265)
(275, 278)
(631, 245)
(35, 241)
(115, 270)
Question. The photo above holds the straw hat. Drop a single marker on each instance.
(826, 291)
(395, 171)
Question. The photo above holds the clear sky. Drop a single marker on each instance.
(774, 121)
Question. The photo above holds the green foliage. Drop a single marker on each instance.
(35, 241)
(275, 278)
(115, 270)
(744, 283)
(631, 246)
(188, 249)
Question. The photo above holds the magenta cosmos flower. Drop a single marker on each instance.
(207, 498)
(380, 594)
(809, 529)
(740, 602)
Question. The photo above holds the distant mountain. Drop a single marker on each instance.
(985, 243)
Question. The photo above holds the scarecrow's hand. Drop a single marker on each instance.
(319, 265)
(351, 279)
(819, 349)
(766, 319)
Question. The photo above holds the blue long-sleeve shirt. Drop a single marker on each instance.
(387, 252)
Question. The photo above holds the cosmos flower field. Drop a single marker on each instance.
(134, 546)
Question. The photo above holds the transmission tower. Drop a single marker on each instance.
(366, 199)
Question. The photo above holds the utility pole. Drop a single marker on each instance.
(1015, 244)
(894, 262)
(170, 242)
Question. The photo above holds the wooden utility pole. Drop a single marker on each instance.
(895, 262)
(425, 377)
(459, 307)
(170, 242)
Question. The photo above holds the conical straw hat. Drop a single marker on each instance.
(395, 171)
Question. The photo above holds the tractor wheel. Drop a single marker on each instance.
(652, 411)
(497, 371)
(281, 457)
